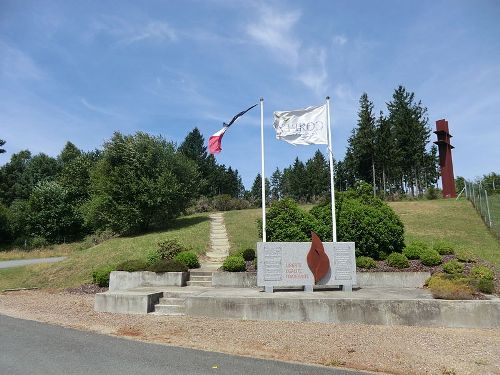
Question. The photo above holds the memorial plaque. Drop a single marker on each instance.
(285, 264)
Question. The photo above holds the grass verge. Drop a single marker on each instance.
(192, 231)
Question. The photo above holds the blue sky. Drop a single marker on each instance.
(79, 70)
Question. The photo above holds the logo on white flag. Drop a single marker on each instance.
(302, 126)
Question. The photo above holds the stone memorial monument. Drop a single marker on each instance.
(285, 264)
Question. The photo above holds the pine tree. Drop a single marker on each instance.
(276, 185)
(362, 142)
(318, 177)
(2, 143)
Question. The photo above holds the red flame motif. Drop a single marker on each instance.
(317, 259)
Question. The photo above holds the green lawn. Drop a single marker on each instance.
(494, 202)
(452, 220)
(192, 231)
(455, 221)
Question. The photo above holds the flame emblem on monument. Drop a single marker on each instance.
(317, 259)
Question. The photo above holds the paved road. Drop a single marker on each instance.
(25, 262)
(31, 348)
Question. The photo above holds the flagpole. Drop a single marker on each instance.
(263, 176)
(332, 185)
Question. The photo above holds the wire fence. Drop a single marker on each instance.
(486, 204)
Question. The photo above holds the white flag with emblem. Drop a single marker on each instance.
(302, 126)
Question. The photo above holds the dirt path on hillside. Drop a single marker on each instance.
(395, 350)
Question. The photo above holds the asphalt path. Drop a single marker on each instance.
(28, 347)
(26, 262)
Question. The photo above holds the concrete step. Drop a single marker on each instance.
(170, 309)
(200, 273)
(200, 278)
(199, 283)
(171, 301)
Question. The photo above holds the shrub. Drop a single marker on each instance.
(453, 267)
(287, 222)
(38, 242)
(443, 247)
(234, 263)
(100, 276)
(414, 250)
(248, 254)
(188, 258)
(365, 262)
(430, 258)
(465, 256)
(481, 272)
(431, 193)
(132, 265)
(446, 288)
(164, 265)
(168, 249)
(397, 260)
(368, 221)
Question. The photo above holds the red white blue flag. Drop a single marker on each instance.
(214, 142)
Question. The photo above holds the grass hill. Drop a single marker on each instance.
(455, 221)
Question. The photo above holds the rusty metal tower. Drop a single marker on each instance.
(445, 161)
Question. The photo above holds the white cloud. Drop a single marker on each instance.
(339, 40)
(274, 31)
(15, 64)
(129, 33)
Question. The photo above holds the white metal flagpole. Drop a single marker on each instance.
(263, 176)
(332, 185)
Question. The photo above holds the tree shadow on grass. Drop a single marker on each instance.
(174, 224)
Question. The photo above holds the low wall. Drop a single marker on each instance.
(364, 279)
(411, 312)
(234, 279)
(127, 302)
(122, 280)
(392, 279)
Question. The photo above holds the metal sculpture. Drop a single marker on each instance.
(445, 161)
(317, 259)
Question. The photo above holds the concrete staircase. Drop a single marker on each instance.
(173, 306)
(200, 278)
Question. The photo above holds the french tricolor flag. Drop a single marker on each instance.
(215, 141)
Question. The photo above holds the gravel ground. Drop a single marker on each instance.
(394, 350)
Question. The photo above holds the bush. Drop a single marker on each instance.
(188, 258)
(164, 265)
(368, 221)
(432, 193)
(365, 262)
(38, 243)
(481, 272)
(465, 256)
(453, 267)
(443, 248)
(445, 288)
(287, 222)
(430, 258)
(248, 254)
(414, 250)
(132, 265)
(397, 260)
(100, 276)
(234, 263)
(168, 249)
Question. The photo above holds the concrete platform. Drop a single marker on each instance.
(381, 306)
(133, 301)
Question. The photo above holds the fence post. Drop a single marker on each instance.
(488, 207)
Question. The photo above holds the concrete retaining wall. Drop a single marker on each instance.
(365, 279)
(433, 313)
(234, 279)
(127, 302)
(392, 279)
(122, 280)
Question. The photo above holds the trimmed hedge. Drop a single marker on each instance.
(248, 254)
(188, 258)
(167, 266)
(443, 248)
(430, 258)
(414, 250)
(234, 263)
(397, 260)
(365, 262)
(100, 276)
(369, 222)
